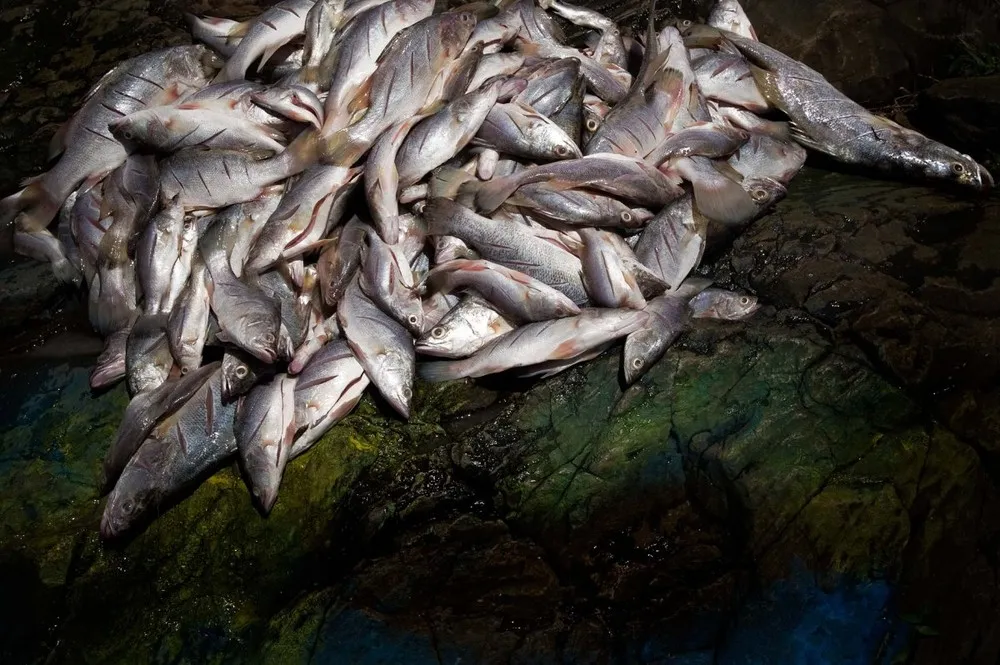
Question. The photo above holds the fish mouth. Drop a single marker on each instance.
(109, 529)
(985, 179)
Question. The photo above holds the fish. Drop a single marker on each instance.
(246, 315)
(387, 279)
(158, 251)
(577, 207)
(536, 343)
(467, 327)
(294, 102)
(180, 451)
(329, 387)
(508, 245)
(187, 326)
(110, 368)
(703, 140)
(610, 48)
(382, 346)
(172, 128)
(516, 295)
(674, 242)
(142, 414)
(264, 428)
(222, 34)
(517, 129)
(85, 146)
(271, 30)
(723, 305)
(668, 317)
(607, 280)
(148, 361)
(340, 260)
(382, 187)
(824, 119)
(726, 77)
(729, 15)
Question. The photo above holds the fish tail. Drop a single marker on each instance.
(492, 194)
(31, 210)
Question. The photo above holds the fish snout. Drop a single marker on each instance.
(985, 179)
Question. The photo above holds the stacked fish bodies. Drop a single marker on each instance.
(271, 222)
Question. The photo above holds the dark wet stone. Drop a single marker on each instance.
(964, 110)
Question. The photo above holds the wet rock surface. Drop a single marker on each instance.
(817, 485)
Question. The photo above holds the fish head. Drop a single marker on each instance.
(642, 351)
(264, 471)
(397, 384)
(260, 328)
(132, 495)
(724, 305)
(764, 192)
(140, 126)
(939, 162)
(239, 374)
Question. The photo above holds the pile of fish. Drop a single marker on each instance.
(298, 207)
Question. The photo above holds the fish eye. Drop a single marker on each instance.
(437, 333)
(466, 17)
(241, 372)
(627, 217)
(561, 150)
(637, 363)
(406, 392)
(958, 168)
(745, 300)
(413, 319)
(184, 371)
(592, 125)
(128, 135)
(759, 194)
(128, 506)
(686, 23)
(268, 338)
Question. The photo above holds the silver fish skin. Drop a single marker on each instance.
(187, 328)
(672, 245)
(45, 247)
(650, 283)
(222, 34)
(355, 55)
(692, 106)
(279, 286)
(516, 295)
(181, 269)
(109, 368)
(608, 281)
(241, 372)
(668, 316)
(382, 346)
(550, 86)
(321, 331)
(570, 117)
(179, 452)
(577, 207)
(173, 128)
(508, 245)
(88, 148)
(723, 198)
(764, 156)
(606, 80)
(517, 129)
(464, 329)
(340, 260)
(486, 165)
(494, 65)
(130, 197)
(141, 415)
(626, 178)
(329, 388)
(825, 120)
(148, 360)
(729, 15)
(436, 306)
(264, 428)
(440, 137)
(322, 24)
(302, 218)
(610, 49)
(382, 179)
(551, 368)
(158, 251)
(541, 342)
(64, 234)
(294, 102)
(88, 226)
(704, 140)
(449, 248)
(113, 292)
(246, 315)
(244, 223)
(386, 278)
(236, 98)
(209, 179)
(273, 29)
(723, 305)
(412, 74)
(748, 121)
(726, 77)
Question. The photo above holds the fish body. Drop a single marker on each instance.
(264, 428)
(274, 28)
(329, 387)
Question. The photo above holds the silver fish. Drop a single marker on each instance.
(148, 361)
(109, 368)
(608, 282)
(726, 77)
(508, 245)
(729, 15)
(293, 102)
(386, 278)
(517, 129)
(764, 156)
(158, 251)
(672, 245)
(264, 427)
(241, 372)
(541, 342)
(340, 260)
(222, 34)
(466, 327)
(187, 328)
(328, 388)
(382, 179)
(274, 28)
(577, 207)
(180, 451)
(173, 128)
(518, 296)
(703, 139)
(382, 346)
(723, 305)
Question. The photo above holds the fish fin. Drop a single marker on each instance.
(360, 99)
(798, 135)
(692, 286)
(437, 372)
(491, 195)
(723, 200)
(57, 144)
(450, 182)
(268, 54)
